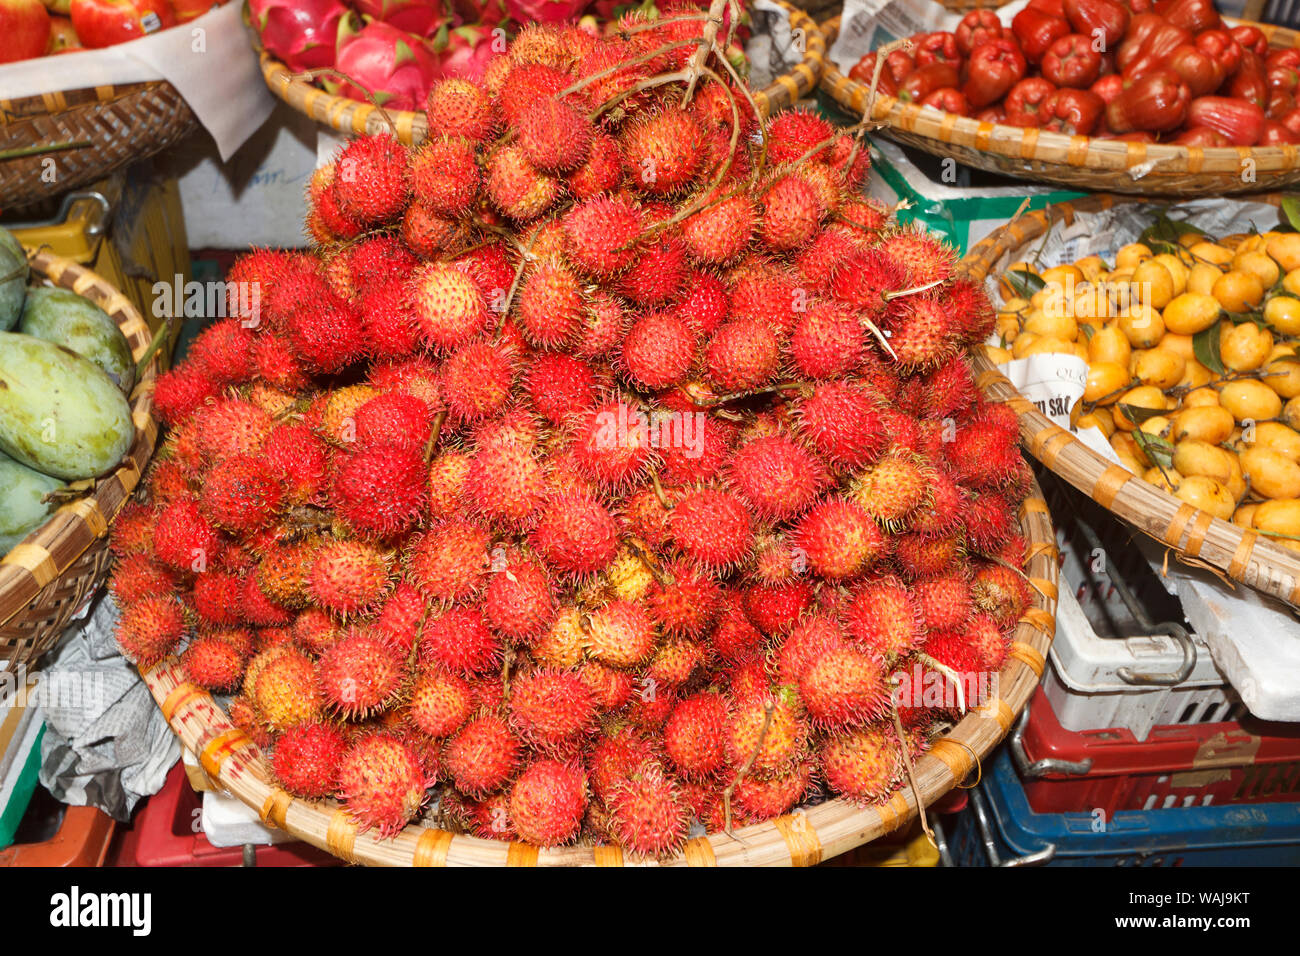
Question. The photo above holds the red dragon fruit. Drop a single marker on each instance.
(544, 11)
(386, 66)
(420, 17)
(299, 33)
(469, 50)
(484, 13)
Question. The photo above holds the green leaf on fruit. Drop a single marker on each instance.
(1205, 346)
(1023, 282)
(1138, 414)
(1164, 234)
(1088, 331)
(1156, 447)
(1291, 211)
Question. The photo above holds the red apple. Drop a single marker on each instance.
(63, 36)
(25, 27)
(187, 10)
(102, 23)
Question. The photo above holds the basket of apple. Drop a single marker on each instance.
(53, 141)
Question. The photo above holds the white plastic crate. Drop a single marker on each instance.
(1083, 680)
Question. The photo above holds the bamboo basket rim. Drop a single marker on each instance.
(1016, 147)
(1200, 539)
(44, 555)
(358, 118)
(801, 838)
(120, 124)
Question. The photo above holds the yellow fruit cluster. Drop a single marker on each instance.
(1193, 364)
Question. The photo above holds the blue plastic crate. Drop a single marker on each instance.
(1256, 835)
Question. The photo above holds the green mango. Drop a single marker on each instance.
(21, 508)
(65, 318)
(14, 272)
(59, 412)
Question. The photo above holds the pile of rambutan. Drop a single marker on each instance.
(603, 471)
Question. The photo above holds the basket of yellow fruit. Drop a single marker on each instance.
(1180, 328)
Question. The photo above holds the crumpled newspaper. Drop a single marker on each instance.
(106, 743)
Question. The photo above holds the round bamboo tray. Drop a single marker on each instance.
(1081, 162)
(354, 117)
(1240, 553)
(45, 579)
(802, 838)
(95, 131)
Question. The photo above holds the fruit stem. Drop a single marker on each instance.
(899, 293)
(519, 274)
(947, 672)
(881, 337)
(706, 43)
(762, 127)
(911, 776)
(737, 396)
(162, 336)
(610, 71)
(18, 152)
(768, 706)
(659, 492)
(662, 79)
(434, 432)
(639, 548)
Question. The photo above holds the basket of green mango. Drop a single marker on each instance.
(76, 393)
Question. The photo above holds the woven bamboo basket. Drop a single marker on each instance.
(1240, 553)
(1081, 162)
(354, 117)
(802, 838)
(113, 125)
(46, 578)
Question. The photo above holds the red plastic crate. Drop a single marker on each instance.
(166, 832)
(1176, 766)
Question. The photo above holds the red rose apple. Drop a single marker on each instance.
(103, 23)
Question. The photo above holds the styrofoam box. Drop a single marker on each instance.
(1087, 693)
(228, 822)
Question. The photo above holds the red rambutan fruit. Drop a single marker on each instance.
(713, 527)
(482, 756)
(440, 703)
(776, 477)
(743, 354)
(517, 187)
(460, 107)
(601, 169)
(775, 609)
(548, 801)
(658, 351)
(449, 562)
(137, 576)
(560, 385)
(150, 629)
(444, 175)
(552, 710)
(372, 178)
(520, 601)
(380, 491)
(183, 539)
(843, 687)
(842, 422)
(945, 602)
(447, 305)
(881, 618)
(349, 577)
(476, 381)
(307, 758)
(460, 642)
(840, 539)
(695, 735)
(864, 765)
(925, 258)
(647, 812)
(686, 603)
(383, 783)
(360, 673)
(720, 231)
(792, 212)
(239, 494)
